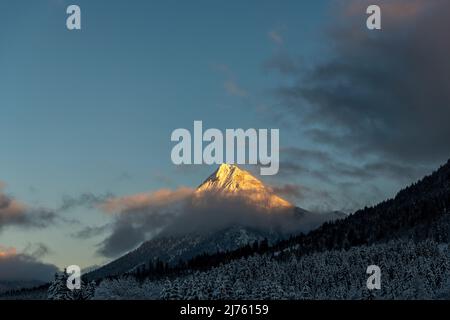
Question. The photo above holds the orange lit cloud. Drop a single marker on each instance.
(13, 208)
(7, 252)
(159, 198)
(9, 208)
(13, 212)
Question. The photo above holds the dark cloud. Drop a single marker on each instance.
(38, 218)
(24, 267)
(37, 250)
(131, 229)
(86, 200)
(15, 213)
(90, 232)
(329, 183)
(371, 111)
(381, 94)
(124, 237)
(290, 191)
(322, 165)
(140, 217)
(209, 211)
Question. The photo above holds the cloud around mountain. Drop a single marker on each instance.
(215, 205)
(25, 266)
(139, 217)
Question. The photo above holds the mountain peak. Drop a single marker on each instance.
(229, 179)
(227, 171)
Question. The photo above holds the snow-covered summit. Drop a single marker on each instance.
(229, 180)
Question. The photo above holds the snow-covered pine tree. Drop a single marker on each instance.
(58, 288)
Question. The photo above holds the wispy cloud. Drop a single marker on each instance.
(233, 89)
(231, 85)
(290, 191)
(91, 231)
(85, 200)
(276, 37)
(37, 250)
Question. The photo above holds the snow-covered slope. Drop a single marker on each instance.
(16, 285)
(172, 249)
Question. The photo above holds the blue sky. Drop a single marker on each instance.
(92, 111)
(99, 102)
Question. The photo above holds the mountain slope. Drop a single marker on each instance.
(16, 285)
(420, 211)
(172, 249)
